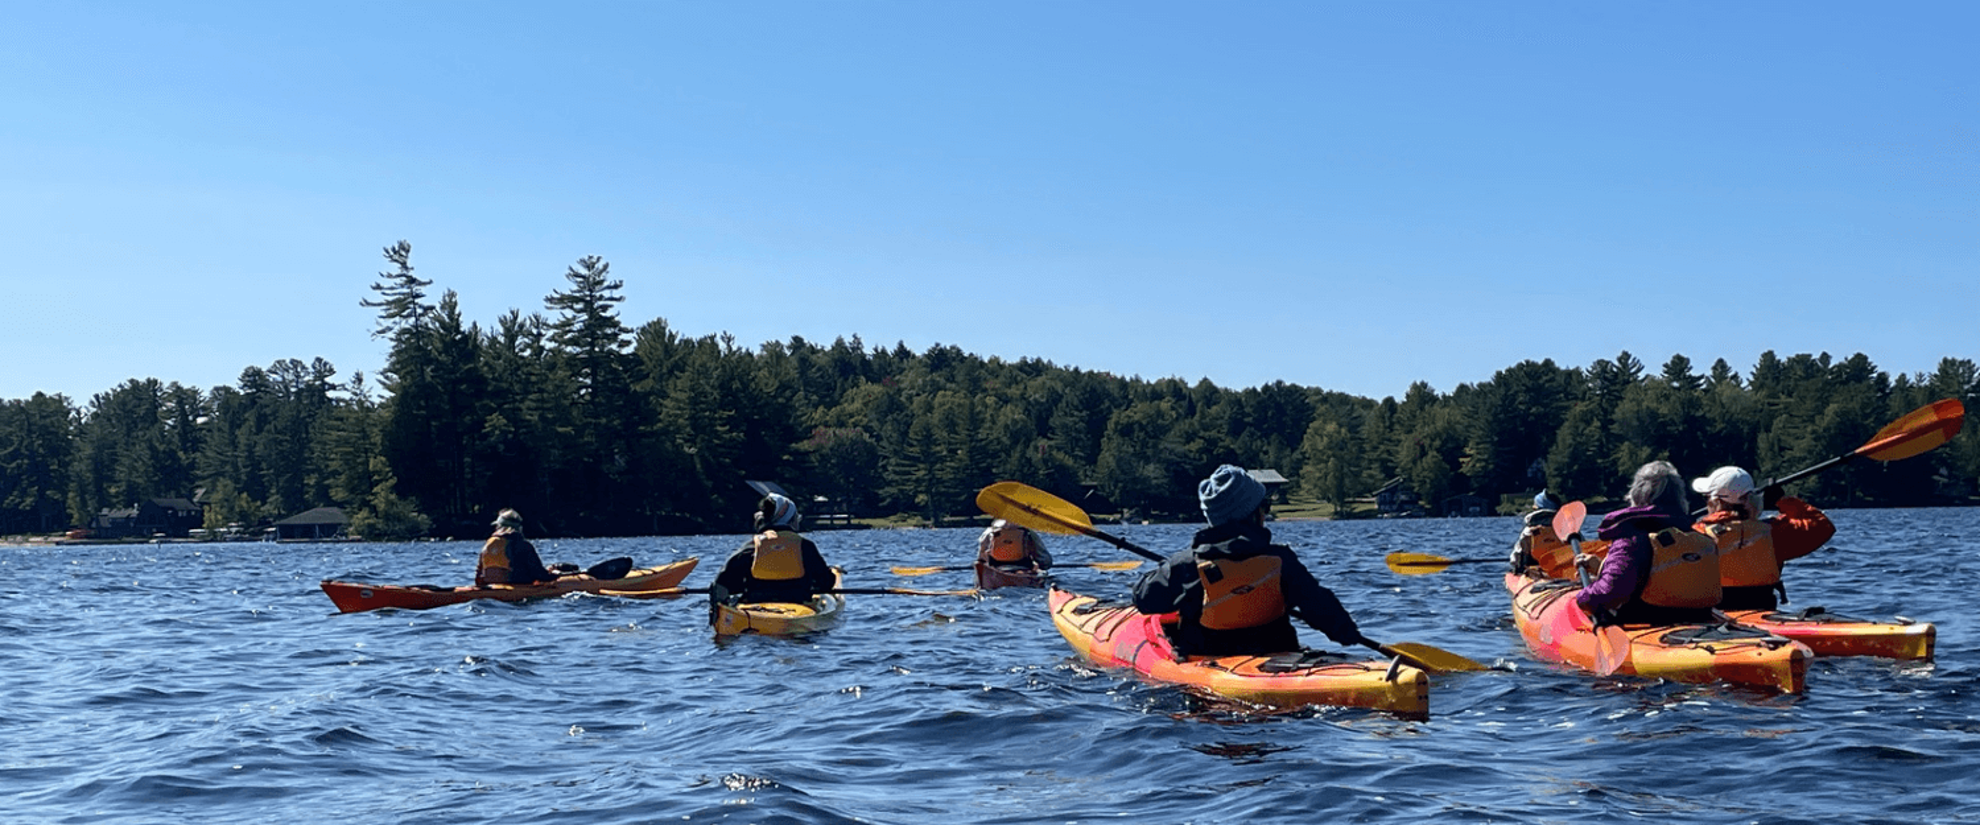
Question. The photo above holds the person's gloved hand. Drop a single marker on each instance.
(1771, 496)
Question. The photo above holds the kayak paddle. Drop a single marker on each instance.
(1028, 506)
(1611, 643)
(1422, 564)
(843, 591)
(1096, 565)
(1917, 432)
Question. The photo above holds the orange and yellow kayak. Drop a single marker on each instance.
(1831, 634)
(1112, 635)
(352, 597)
(1557, 630)
(990, 576)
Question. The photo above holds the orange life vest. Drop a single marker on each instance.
(1684, 570)
(1240, 594)
(1008, 545)
(1746, 553)
(779, 556)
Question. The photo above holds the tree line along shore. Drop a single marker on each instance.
(593, 427)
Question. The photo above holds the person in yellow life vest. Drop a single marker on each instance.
(507, 557)
(1657, 571)
(777, 565)
(1235, 591)
(1752, 549)
(1009, 546)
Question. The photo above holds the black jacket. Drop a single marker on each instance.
(734, 584)
(1174, 586)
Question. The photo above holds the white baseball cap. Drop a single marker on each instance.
(1726, 482)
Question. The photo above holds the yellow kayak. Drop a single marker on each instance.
(781, 618)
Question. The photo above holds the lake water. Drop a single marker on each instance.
(215, 683)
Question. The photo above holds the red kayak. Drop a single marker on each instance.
(352, 597)
(992, 576)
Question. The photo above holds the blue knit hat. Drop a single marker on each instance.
(1229, 494)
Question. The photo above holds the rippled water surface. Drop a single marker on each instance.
(215, 683)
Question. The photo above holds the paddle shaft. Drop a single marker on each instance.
(842, 591)
(1107, 537)
(1937, 422)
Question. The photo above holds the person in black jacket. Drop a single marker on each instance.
(1235, 590)
(507, 557)
(777, 565)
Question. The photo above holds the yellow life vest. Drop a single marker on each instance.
(1240, 594)
(1746, 553)
(1684, 570)
(779, 556)
(1007, 545)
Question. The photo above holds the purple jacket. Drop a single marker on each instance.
(1628, 531)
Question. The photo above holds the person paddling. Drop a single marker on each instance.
(777, 565)
(1011, 547)
(1234, 589)
(1538, 545)
(1752, 549)
(507, 557)
(1657, 571)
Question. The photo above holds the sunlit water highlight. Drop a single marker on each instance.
(215, 683)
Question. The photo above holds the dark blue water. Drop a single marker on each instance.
(214, 683)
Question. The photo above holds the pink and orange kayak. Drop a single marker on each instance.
(1557, 630)
(1112, 635)
(352, 597)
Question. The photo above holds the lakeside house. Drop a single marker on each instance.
(320, 524)
(169, 517)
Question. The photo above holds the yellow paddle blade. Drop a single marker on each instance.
(1030, 507)
(1112, 565)
(1919, 431)
(1415, 564)
(1433, 659)
(918, 571)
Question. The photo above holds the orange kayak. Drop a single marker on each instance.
(1830, 634)
(1557, 630)
(990, 576)
(352, 597)
(1112, 635)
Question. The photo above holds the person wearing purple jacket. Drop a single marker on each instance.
(1658, 570)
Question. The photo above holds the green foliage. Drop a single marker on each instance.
(385, 516)
(594, 428)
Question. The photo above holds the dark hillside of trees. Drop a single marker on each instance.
(591, 427)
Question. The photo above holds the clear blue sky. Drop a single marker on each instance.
(1352, 196)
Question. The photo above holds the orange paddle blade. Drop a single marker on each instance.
(1567, 522)
(1920, 430)
(1611, 649)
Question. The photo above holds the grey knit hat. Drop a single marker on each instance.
(1229, 494)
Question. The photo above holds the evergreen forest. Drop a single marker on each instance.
(592, 427)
